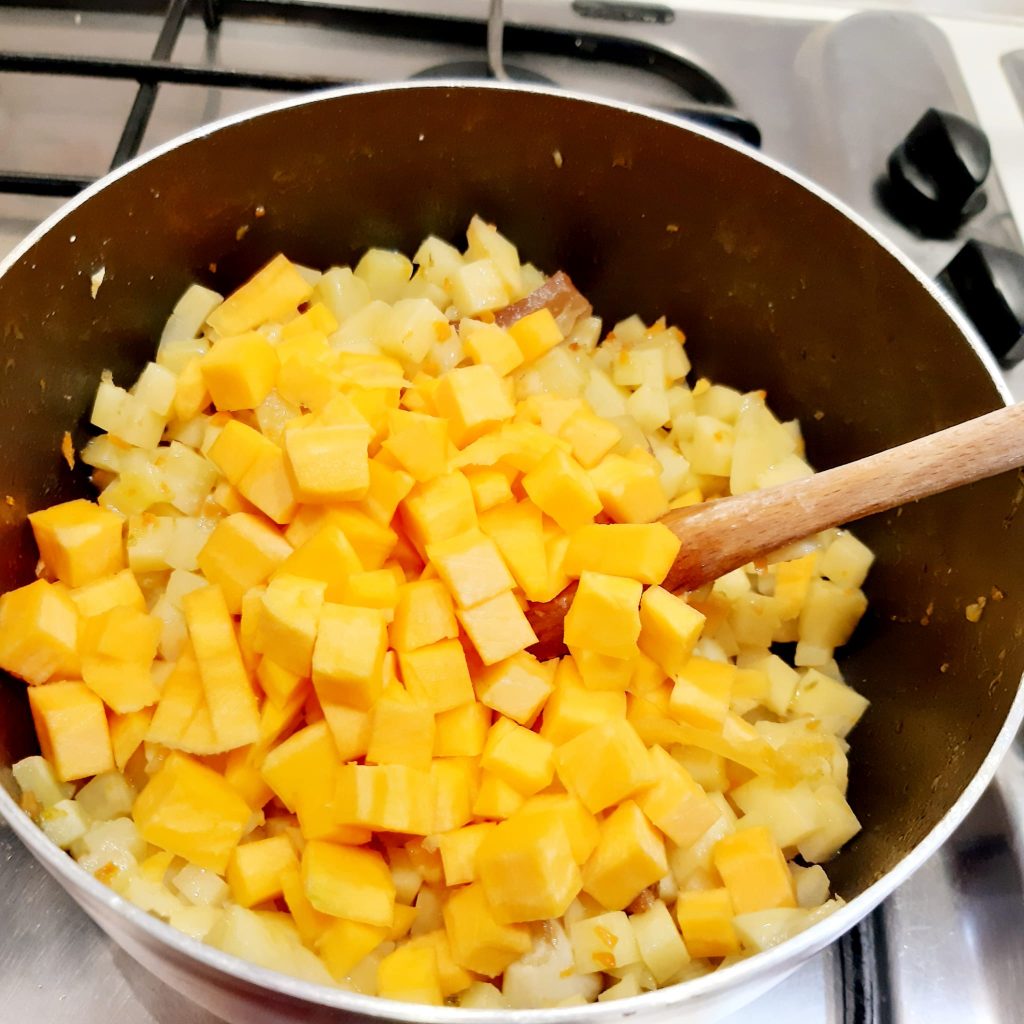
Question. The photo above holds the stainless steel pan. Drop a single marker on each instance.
(776, 285)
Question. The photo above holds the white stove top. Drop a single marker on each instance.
(833, 89)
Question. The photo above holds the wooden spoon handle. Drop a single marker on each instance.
(724, 534)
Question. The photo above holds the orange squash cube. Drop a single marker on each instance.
(459, 850)
(79, 541)
(377, 589)
(269, 485)
(488, 344)
(605, 615)
(643, 552)
(527, 870)
(473, 400)
(455, 781)
(39, 626)
(239, 371)
(462, 731)
(127, 733)
(675, 803)
(517, 687)
(471, 567)
(701, 693)
(118, 648)
(573, 708)
(561, 489)
(388, 488)
(242, 552)
(306, 754)
(287, 623)
(410, 975)
(237, 448)
(604, 765)
(669, 627)
(439, 509)
(118, 591)
(71, 726)
(226, 686)
(630, 856)
(517, 529)
(480, 943)
(437, 676)
(591, 437)
(705, 919)
(498, 628)
(419, 443)
(256, 870)
(424, 615)
(387, 798)
(536, 333)
(754, 871)
(630, 491)
(580, 825)
(495, 798)
(190, 811)
(330, 460)
(348, 882)
(601, 673)
(344, 944)
(490, 487)
(327, 556)
(518, 756)
(401, 731)
(348, 656)
(274, 291)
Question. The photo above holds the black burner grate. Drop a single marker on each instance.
(702, 97)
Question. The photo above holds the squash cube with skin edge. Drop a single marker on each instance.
(424, 616)
(604, 765)
(462, 732)
(226, 686)
(410, 975)
(459, 851)
(79, 541)
(348, 882)
(473, 400)
(559, 486)
(754, 871)
(275, 290)
(190, 811)
(286, 626)
(517, 687)
(605, 942)
(705, 919)
(348, 655)
(527, 870)
(401, 731)
(498, 628)
(328, 556)
(437, 676)
(669, 629)
(439, 510)
(630, 856)
(385, 798)
(604, 616)
(628, 491)
(239, 371)
(242, 552)
(39, 629)
(661, 947)
(675, 804)
(480, 943)
(71, 726)
(536, 333)
(701, 693)
(518, 756)
(256, 869)
(491, 345)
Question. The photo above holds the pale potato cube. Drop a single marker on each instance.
(603, 395)
(837, 706)
(155, 388)
(413, 329)
(603, 942)
(846, 561)
(189, 314)
(546, 975)
(811, 885)
(763, 929)
(151, 896)
(482, 995)
(437, 261)
(761, 442)
(792, 467)
(661, 946)
(718, 401)
(486, 242)
(648, 405)
(361, 331)
(585, 334)
(624, 989)
(642, 364)
(34, 775)
(385, 273)
(342, 293)
(64, 823)
(478, 287)
(791, 813)
(837, 824)
(196, 922)
(710, 451)
(106, 796)
(828, 617)
(201, 887)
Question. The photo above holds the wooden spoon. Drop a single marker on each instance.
(721, 535)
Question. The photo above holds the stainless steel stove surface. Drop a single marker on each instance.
(832, 91)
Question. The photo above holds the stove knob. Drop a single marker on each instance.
(988, 284)
(936, 173)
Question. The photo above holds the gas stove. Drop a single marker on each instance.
(915, 120)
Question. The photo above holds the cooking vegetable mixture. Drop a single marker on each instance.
(280, 670)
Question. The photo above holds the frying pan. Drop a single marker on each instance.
(777, 286)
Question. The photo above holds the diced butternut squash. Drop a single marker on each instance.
(604, 764)
(517, 687)
(630, 492)
(275, 290)
(401, 731)
(580, 825)
(498, 627)
(479, 942)
(630, 856)
(675, 803)
(518, 756)
(330, 461)
(489, 344)
(559, 486)
(459, 851)
(527, 869)
(754, 871)
(39, 627)
(705, 919)
(410, 975)
(79, 541)
(388, 798)
(701, 693)
(190, 811)
(669, 629)
(71, 726)
(473, 400)
(640, 552)
(604, 616)
(471, 567)
(535, 334)
(328, 556)
(437, 675)
(256, 870)
(462, 731)
(343, 944)
(348, 656)
(239, 371)
(348, 882)
(286, 626)
(439, 509)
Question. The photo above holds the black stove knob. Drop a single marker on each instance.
(988, 283)
(936, 173)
